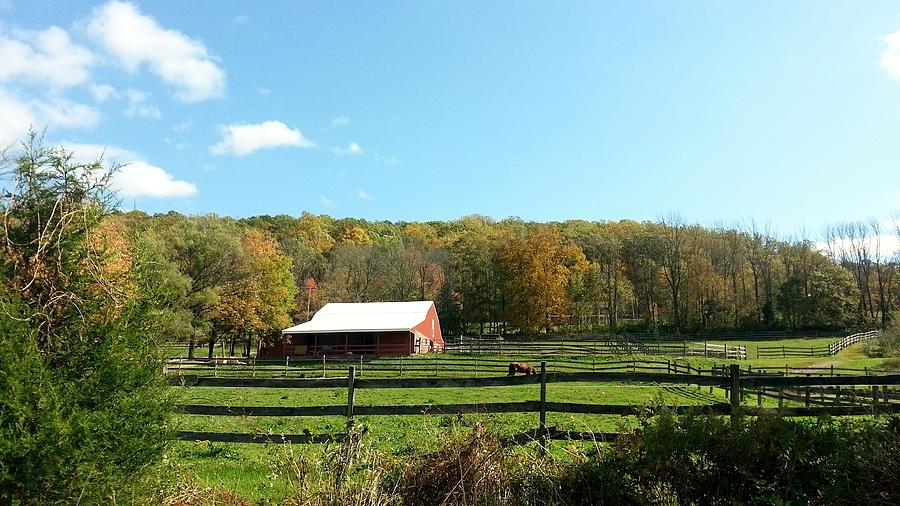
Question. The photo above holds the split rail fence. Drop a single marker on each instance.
(738, 384)
(814, 351)
(488, 346)
(431, 365)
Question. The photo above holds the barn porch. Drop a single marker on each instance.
(344, 343)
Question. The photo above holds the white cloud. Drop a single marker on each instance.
(137, 106)
(241, 19)
(86, 153)
(15, 119)
(17, 116)
(48, 57)
(264, 91)
(890, 57)
(351, 149)
(140, 179)
(325, 201)
(243, 139)
(340, 121)
(63, 113)
(135, 39)
(389, 161)
(103, 92)
(362, 194)
(137, 178)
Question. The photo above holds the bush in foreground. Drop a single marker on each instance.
(668, 460)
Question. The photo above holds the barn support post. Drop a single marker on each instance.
(351, 394)
(543, 413)
(735, 392)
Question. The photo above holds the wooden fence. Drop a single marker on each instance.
(737, 383)
(621, 346)
(432, 365)
(814, 351)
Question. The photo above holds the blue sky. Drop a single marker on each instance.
(780, 112)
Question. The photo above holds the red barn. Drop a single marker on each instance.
(370, 328)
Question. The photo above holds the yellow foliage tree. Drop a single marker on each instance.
(537, 270)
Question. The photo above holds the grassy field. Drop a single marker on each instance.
(254, 471)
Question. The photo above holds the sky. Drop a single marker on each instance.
(784, 113)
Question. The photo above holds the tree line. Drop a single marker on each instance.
(231, 282)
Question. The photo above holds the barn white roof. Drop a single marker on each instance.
(364, 317)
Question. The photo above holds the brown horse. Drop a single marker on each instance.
(523, 367)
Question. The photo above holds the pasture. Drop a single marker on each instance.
(254, 471)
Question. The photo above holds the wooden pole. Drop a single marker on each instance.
(875, 400)
(735, 393)
(351, 395)
(543, 413)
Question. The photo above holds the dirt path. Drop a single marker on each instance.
(824, 364)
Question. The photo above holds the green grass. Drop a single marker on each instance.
(253, 470)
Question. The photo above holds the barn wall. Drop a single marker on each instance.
(425, 328)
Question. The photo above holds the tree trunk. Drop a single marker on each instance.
(212, 341)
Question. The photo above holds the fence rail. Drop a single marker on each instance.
(737, 384)
(473, 345)
(815, 351)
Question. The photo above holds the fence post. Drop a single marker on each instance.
(351, 395)
(401, 366)
(684, 349)
(360, 364)
(726, 352)
(806, 397)
(875, 400)
(759, 397)
(735, 393)
(705, 350)
(435, 366)
(253, 368)
(543, 413)
(782, 352)
(323, 366)
(476, 365)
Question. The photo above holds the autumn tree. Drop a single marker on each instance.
(537, 276)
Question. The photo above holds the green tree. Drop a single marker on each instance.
(84, 408)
